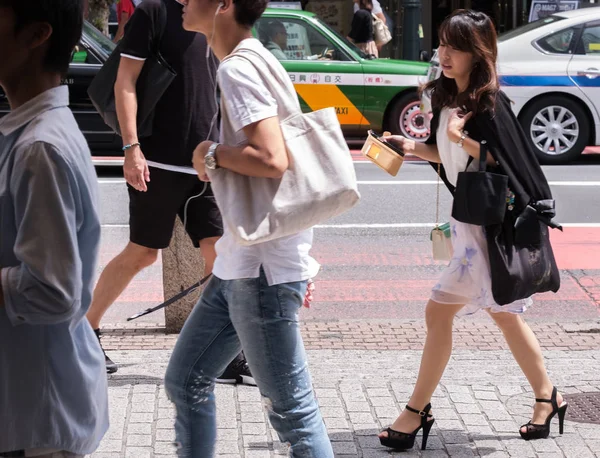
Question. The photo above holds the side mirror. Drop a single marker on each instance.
(424, 56)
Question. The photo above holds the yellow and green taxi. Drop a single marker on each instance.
(329, 71)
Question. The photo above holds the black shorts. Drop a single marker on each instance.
(152, 214)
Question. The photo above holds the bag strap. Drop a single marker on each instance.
(160, 31)
(482, 157)
(437, 204)
(270, 78)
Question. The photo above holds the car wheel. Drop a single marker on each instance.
(557, 128)
(406, 118)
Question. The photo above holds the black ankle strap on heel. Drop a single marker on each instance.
(424, 414)
(542, 431)
(552, 400)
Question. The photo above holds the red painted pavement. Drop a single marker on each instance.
(575, 249)
(403, 290)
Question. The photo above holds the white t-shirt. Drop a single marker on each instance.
(246, 101)
(376, 7)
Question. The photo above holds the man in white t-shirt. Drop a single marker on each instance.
(256, 293)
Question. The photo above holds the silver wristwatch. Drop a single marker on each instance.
(463, 137)
(210, 160)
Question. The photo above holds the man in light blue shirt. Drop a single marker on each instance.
(53, 387)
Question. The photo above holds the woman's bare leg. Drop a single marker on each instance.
(527, 352)
(436, 354)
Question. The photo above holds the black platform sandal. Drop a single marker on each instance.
(404, 441)
(535, 431)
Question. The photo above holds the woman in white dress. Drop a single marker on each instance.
(467, 55)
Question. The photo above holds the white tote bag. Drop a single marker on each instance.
(381, 32)
(319, 184)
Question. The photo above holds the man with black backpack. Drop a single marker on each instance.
(161, 181)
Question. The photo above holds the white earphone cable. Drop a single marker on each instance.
(210, 64)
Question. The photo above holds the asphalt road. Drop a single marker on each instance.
(376, 258)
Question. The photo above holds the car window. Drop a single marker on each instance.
(347, 42)
(559, 42)
(100, 42)
(529, 27)
(82, 55)
(292, 39)
(591, 39)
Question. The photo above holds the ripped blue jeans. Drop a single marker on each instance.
(263, 321)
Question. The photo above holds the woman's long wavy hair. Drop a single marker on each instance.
(472, 32)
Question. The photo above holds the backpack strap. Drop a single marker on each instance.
(159, 31)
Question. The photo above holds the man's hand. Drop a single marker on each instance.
(198, 160)
(308, 297)
(135, 169)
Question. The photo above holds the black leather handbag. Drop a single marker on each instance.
(480, 197)
(155, 77)
(522, 262)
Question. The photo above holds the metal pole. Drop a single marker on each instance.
(412, 18)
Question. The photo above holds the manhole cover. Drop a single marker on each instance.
(583, 407)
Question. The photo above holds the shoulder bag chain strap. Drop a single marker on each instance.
(437, 204)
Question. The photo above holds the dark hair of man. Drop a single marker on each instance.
(267, 30)
(66, 19)
(247, 12)
(366, 5)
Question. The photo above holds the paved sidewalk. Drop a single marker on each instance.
(469, 333)
(483, 399)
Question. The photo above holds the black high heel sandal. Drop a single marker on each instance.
(536, 431)
(404, 441)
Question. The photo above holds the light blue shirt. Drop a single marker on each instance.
(53, 387)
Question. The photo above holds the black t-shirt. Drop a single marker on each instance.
(183, 115)
(362, 27)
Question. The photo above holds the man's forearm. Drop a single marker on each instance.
(127, 106)
(249, 161)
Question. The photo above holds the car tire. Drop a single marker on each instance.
(406, 118)
(543, 134)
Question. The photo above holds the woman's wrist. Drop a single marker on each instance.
(454, 135)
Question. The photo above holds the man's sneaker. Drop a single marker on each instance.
(237, 372)
(111, 367)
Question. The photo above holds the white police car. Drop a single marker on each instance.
(550, 69)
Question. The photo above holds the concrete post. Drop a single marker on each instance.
(183, 266)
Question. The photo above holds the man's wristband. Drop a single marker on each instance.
(126, 147)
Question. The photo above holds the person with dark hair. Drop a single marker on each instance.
(377, 10)
(254, 299)
(469, 109)
(53, 387)
(161, 182)
(361, 31)
(275, 38)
